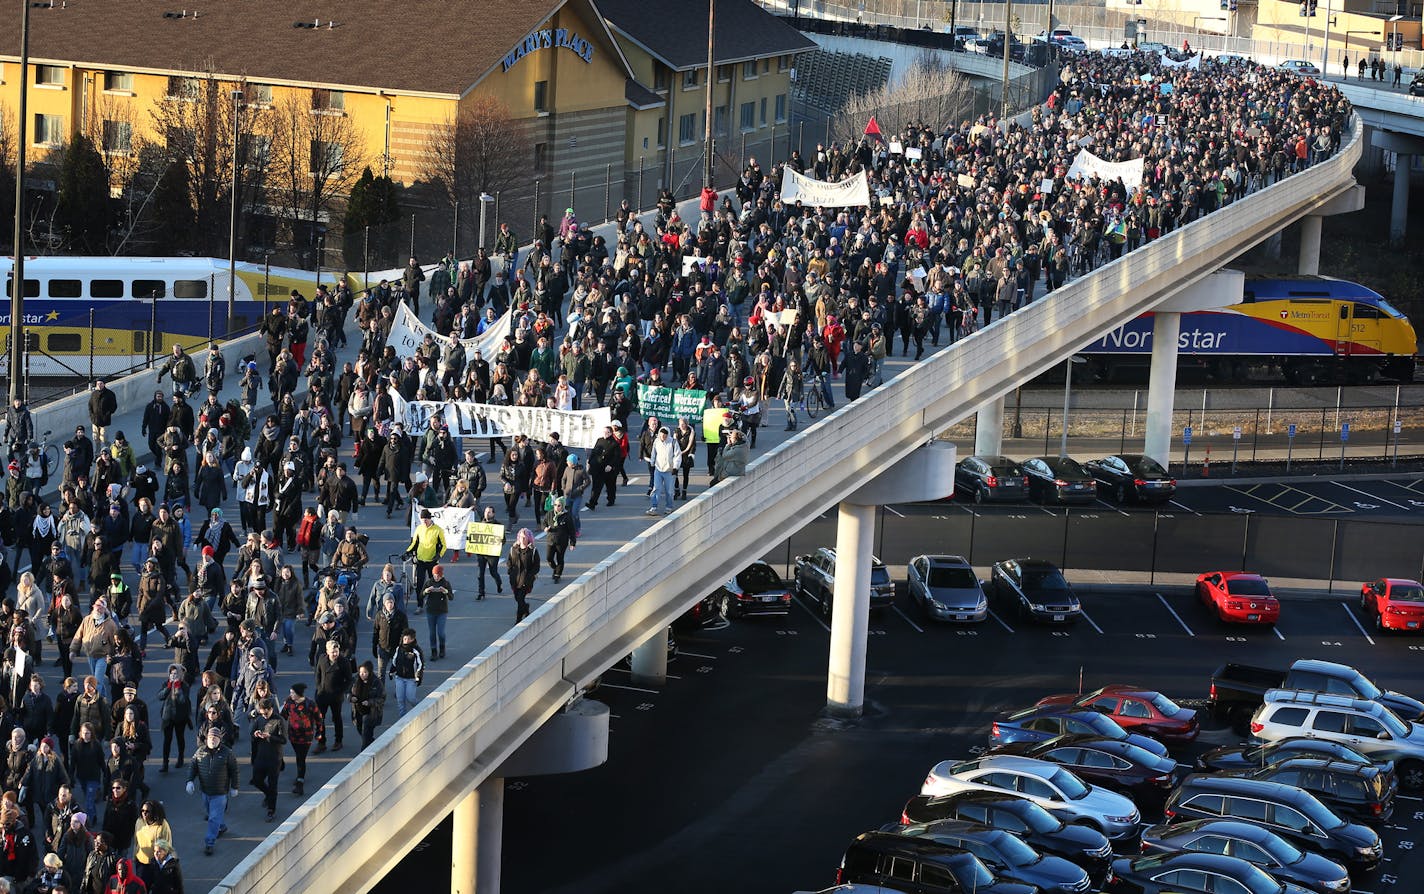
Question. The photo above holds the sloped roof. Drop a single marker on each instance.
(676, 32)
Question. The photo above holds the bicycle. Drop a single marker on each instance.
(814, 396)
(50, 453)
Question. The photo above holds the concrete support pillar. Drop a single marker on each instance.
(1308, 262)
(650, 660)
(478, 839)
(1162, 386)
(850, 609)
(1399, 208)
(1273, 246)
(989, 429)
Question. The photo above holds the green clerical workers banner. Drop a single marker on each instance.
(671, 403)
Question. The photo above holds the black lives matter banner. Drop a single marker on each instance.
(576, 428)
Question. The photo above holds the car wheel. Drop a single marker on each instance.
(1364, 603)
(979, 496)
(1120, 493)
(1411, 775)
(724, 605)
(1379, 622)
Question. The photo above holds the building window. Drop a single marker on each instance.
(724, 73)
(118, 81)
(49, 75)
(689, 79)
(763, 112)
(781, 108)
(661, 78)
(541, 97)
(257, 94)
(182, 88)
(766, 66)
(49, 130)
(748, 116)
(541, 158)
(719, 121)
(687, 128)
(783, 63)
(662, 132)
(749, 70)
(325, 157)
(118, 137)
(328, 101)
(256, 151)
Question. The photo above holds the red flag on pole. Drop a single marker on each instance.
(872, 129)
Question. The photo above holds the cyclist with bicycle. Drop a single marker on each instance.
(793, 391)
(747, 404)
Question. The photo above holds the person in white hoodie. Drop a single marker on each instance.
(254, 491)
(240, 473)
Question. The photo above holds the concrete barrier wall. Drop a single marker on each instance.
(394, 792)
(903, 57)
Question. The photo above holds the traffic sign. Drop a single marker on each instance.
(1397, 425)
(1344, 431)
(1236, 432)
(1290, 430)
(1187, 435)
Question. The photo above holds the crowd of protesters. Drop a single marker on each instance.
(777, 301)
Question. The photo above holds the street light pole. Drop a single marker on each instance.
(232, 218)
(1008, 41)
(711, 79)
(485, 200)
(17, 288)
(1067, 399)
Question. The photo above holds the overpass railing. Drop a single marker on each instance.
(358, 826)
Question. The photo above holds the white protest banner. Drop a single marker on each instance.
(407, 332)
(452, 521)
(965, 180)
(1086, 164)
(917, 278)
(576, 428)
(913, 153)
(784, 317)
(1045, 185)
(850, 192)
(690, 262)
(896, 148)
(1193, 62)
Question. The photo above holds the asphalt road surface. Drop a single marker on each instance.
(1394, 499)
(731, 778)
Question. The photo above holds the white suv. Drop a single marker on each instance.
(1366, 726)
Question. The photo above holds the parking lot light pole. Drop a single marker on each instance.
(1067, 399)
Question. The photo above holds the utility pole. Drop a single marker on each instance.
(17, 288)
(1008, 41)
(237, 98)
(711, 79)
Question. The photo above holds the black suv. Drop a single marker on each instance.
(1040, 829)
(1291, 813)
(919, 866)
(815, 578)
(990, 478)
(1353, 791)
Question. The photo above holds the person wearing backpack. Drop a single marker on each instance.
(309, 542)
(304, 726)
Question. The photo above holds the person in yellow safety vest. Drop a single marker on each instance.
(427, 546)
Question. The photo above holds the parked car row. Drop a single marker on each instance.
(1126, 477)
(1058, 802)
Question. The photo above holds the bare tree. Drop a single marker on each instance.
(316, 155)
(196, 120)
(929, 93)
(483, 150)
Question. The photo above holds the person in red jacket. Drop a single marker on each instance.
(833, 336)
(708, 202)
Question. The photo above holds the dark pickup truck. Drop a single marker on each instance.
(1237, 690)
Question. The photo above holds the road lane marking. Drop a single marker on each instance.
(624, 670)
(1174, 614)
(697, 655)
(892, 509)
(1089, 618)
(807, 609)
(1409, 798)
(897, 611)
(1357, 623)
(1001, 621)
(628, 688)
(1365, 493)
(1279, 635)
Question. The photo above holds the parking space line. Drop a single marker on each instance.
(697, 655)
(1412, 487)
(815, 617)
(628, 688)
(1280, 636)
(1357, 623)
(1174, 614)
(1188, 508)
(1409, 798)
(897, 611)
(1089, 618)
(1365, 493)
(1001, 621)
(893, 510)
(624, 670)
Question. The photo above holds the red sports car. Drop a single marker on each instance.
(1136, 710)
(1396, 603)
(1239, 597)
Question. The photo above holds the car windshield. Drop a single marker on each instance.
(1163, 704)
(1400, 729)
(1146, 465)
(879, 575)
(759, 576)
(1043, 579)
(1319, 814)
(1281, 851)
(1071, 787)
(1361, 684)
(1406, 593)
(1015, 851)
(1104, 725)
(1247, 586)
(952, 578)
(972, 874)
(1257, 881)
(1039, 821)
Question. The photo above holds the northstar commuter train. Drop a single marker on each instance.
(1309, 329)
(181, 299)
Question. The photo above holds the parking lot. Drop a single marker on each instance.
(730, 777)
(1394, 499)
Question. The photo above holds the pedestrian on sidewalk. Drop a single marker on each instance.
(407, 670)
(523, 565)
(214, 774)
